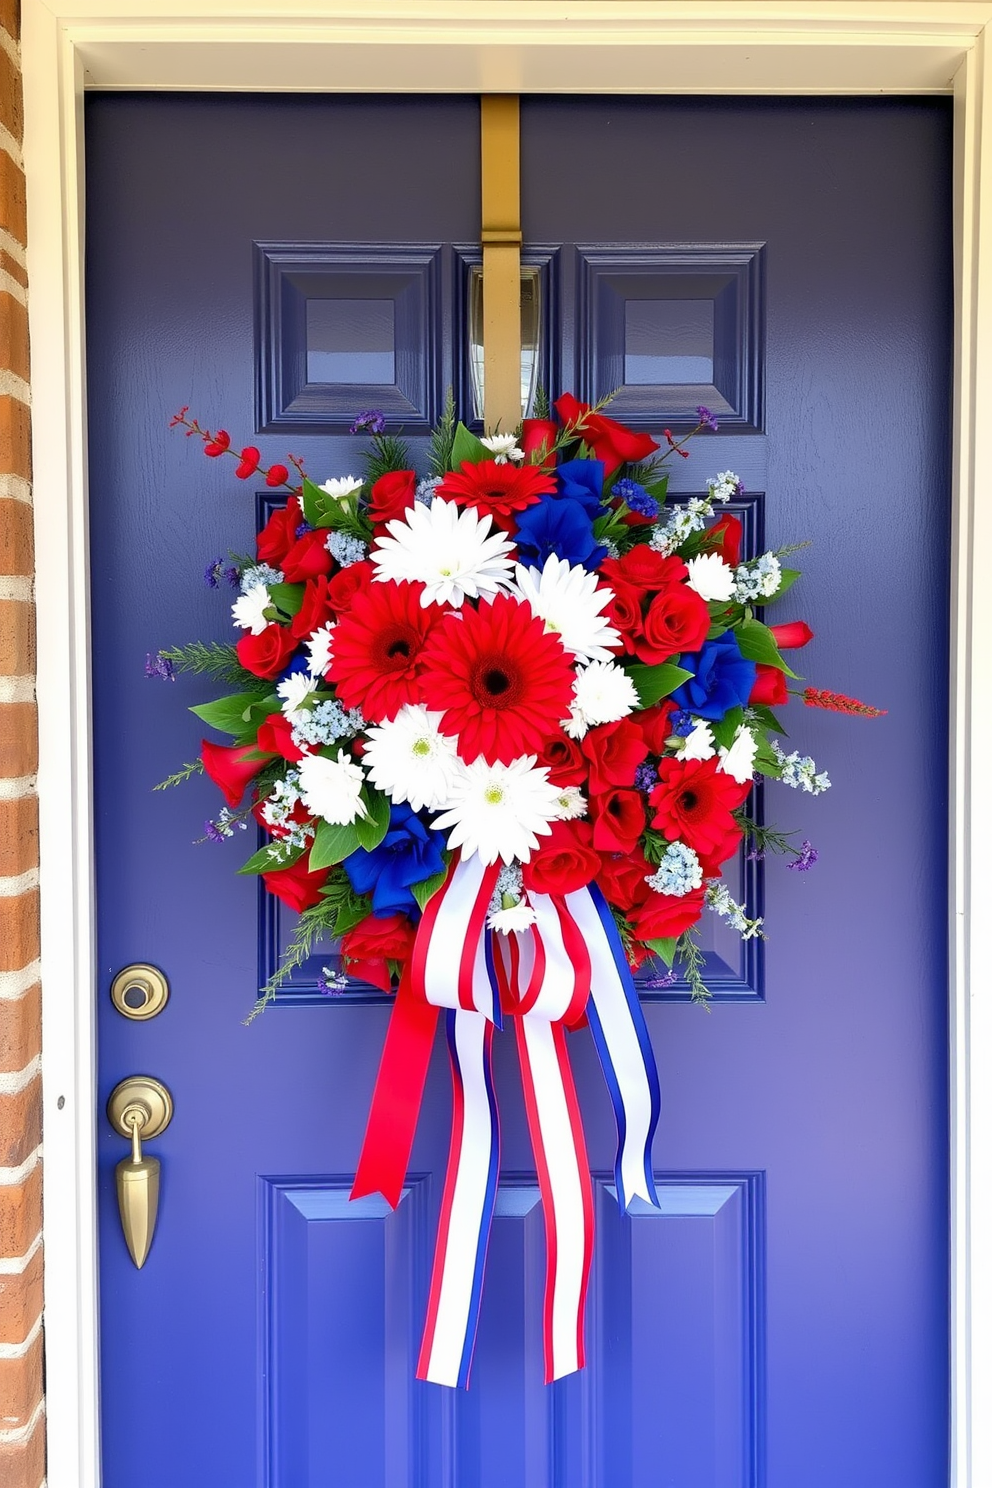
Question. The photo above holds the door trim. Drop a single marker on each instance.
(606, 46)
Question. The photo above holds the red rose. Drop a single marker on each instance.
(231, 766)
(654, 725)
(392, 495)
(790, 637)
(564, 861)
(315, 610)
(665, 916)
(622, 878)
(618, 820)
(769, 686)
(538, 434)
(308, 557)
(279, 533)
(614, 751)
(275, 736)
(724, 537)
(372, 943)
(342, 589)
(624, 611)
(676, 620)
(268, 653)
(609, 441)
(692, 803)
(296, 885)
(565, 761)
(643, 569)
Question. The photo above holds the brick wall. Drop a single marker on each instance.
(22, 1426)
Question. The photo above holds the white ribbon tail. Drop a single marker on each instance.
(621, 1037)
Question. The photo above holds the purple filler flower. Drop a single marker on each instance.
(369, 422)
(706, 418)
(807, 857)
(159, 666)
(329, 983)
(212, 832)
(213, 572)
(655, 984)
(645, 778)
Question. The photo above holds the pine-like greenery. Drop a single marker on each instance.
(214, 660)
(443, 438)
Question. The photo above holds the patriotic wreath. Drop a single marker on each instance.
(499, 726)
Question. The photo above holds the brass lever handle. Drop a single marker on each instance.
(139, 1108)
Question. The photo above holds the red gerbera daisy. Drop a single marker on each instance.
(692, 803)
(502, 682)
(497, 489)
(377, 649)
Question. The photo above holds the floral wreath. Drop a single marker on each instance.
(512, 709)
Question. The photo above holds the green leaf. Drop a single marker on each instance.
(239, 713)
(314, 502)
(428, 887)
(726, 727)
(287, 597)
(663, 948)
(351, 913)
(758, 644)
(373, 828)
(465, 446)
(656, 682)
(273, 855)
(658, 489)
(331, 844)
(765, 715)
(789, 577)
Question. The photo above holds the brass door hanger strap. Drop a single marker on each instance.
(501, 239)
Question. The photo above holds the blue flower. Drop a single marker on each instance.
(406, 855)
(722, 678)
(555, 525)
(633, 494)
(582, 481)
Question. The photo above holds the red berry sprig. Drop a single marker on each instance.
(248, 459)
(837, 702)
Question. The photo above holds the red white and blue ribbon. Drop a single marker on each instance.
(569, 966)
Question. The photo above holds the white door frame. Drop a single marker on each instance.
(454, 46)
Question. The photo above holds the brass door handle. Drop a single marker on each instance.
(139, 1108)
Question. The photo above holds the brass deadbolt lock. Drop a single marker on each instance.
(139, 991)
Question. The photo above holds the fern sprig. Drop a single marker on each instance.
(690, 955)
(313, 923)
(214, 660)
(443, 438)
(195, 767)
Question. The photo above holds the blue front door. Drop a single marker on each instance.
(279, 264)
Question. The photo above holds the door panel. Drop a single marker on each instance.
(782, 1322)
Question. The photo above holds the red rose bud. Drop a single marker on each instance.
(564, 760)
(564, 862)
(308, 557)
(769, 687)
(614, 751)
(724, 537)
(346, 583)
(618, 820)
(392, 495)
(296, 886)
(218, 444)
(279, 533)
(643, 569)
(248, 463)
(315, 610)
(275, 736)
(268, 653)
(278, 475)
(665, 916)
(538, 434)
(623, 878)
(609, 441)
(790, 637)
(373, 943)
(230, 767)
(677, 620)
(654, 725)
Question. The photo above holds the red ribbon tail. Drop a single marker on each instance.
(399, 1089)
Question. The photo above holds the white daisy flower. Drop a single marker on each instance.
(498, 811)
(738, 760)
(332, 788)
(699, 744)
(711, 577)
(453, 553)
(503, 447)
(248, 612)
(517, 917)
(601, 693)
(294, 691)
(411, 760)
(570, 601)
(571, 803)
(343, 487)
(318, 643)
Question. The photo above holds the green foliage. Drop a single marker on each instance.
(664, 948)
(655, 682)
(428, 887)
(654, 844)
(373, 828)
(726, 727)
(340, 513)
(690, 956)
(388, 453)
(313, 924)
(195, 767)
(767, 718)
(542, 404)
(789, 577)
(214, 660)
(443, 438)
(287, 598)
(758, 644)
(275, 854)
(239, 714)
(465, 446)
(332, 843)
(766, 839)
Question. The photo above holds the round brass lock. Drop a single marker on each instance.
(139, 991)
(144, 1096)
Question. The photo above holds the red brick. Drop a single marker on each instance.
(22, 1464)
(20, 1124)
(20, 1386)
(13, 324)
(20, 1029)
(11, 99)
(17, 649)
(20, 1301)
(18, 738)
(19, 944)
(16, 538)
(13, 199)
(20, 1220)
(15, 430)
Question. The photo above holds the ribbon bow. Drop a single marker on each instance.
(568, 967)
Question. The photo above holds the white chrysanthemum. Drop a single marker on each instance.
(571, 803)
(453, 553)
(699, 744)
(601, 693)
(248, 612)
(570, 602)
(738, 760)
(345, 485)
(411, 760)
(295, 690)
(498, 811)
(503, 447)
(331, 788)
(711, 577)
(517, 917)
(318, 643)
